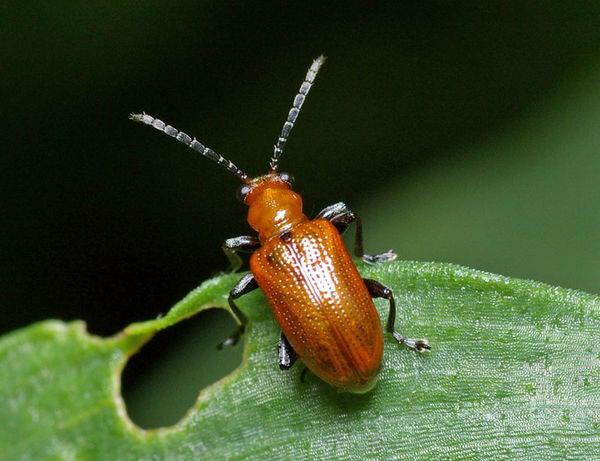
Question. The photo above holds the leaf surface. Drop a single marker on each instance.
(514, 372)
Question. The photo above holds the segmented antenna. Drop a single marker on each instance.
(295, 110)
(188, 141)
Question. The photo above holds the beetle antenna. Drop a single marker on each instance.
(295, 110)
(188, 141)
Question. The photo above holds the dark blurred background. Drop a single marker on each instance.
(461, 132)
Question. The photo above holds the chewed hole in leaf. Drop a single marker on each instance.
(162, 381)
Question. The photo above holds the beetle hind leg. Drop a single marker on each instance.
(286, 353)
(378, 290)
(341, 217)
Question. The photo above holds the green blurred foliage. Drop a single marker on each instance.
(524, 201)
(461, 132)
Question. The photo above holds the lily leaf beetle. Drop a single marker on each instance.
(322, 304)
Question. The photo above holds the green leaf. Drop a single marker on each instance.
(514, 372)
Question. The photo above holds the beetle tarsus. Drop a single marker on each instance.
(420, 345)
(379, 258)
(233, 339)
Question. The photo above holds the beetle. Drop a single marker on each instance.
(320, 301)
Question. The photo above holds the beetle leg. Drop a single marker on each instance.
(332, 212)
(245, 285)
(378, 290)
(287, 354)
(244, 244)
(341, 217)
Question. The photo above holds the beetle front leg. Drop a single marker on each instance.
(341, 217)
(243, 244)
(286, 353)
(378, 290)
(244, 286)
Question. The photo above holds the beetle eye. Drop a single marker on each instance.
(242, 192)
(287, 178)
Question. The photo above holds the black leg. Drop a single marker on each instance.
(378, 290)
(341, 217)
(244, 244)
(244, 286)
(287, 354)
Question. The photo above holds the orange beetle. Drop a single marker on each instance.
(323, 306)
